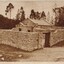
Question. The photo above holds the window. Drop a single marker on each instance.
(28, 30)
(19, 29)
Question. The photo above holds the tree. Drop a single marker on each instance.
(17, 15)
(20, 14)
(32, 15)
(43, 14)
(9, 8)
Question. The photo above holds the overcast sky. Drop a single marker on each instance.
(45, 5)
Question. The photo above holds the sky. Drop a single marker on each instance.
(37, 5)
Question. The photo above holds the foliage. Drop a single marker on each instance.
(9, 8)
(6, 23)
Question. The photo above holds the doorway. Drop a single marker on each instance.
(47, 39)
(19, 29)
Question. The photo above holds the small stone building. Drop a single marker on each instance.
(29, 24)
(40, 26)
(22, 27)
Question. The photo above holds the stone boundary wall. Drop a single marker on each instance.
(49, 27)
(27, 41)
(56, 36)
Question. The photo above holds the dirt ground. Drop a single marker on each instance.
(8, 53)
(47, 55)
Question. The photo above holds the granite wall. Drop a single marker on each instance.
(27, 41)
(56, 36)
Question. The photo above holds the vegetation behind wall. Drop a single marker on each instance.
(6, 23)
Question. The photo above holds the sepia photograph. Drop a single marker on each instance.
(31, 31)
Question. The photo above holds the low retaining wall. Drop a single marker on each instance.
(27, 41)
(56, 36)
(30, 41)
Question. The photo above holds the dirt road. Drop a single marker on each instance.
(8, 53)
(47, 54)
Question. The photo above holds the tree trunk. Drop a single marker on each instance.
(10, 13)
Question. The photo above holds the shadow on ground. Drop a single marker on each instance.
(9, 53)
(59, 44)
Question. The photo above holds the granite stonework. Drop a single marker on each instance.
(23, 40)
(56, 36)
(29, 41)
